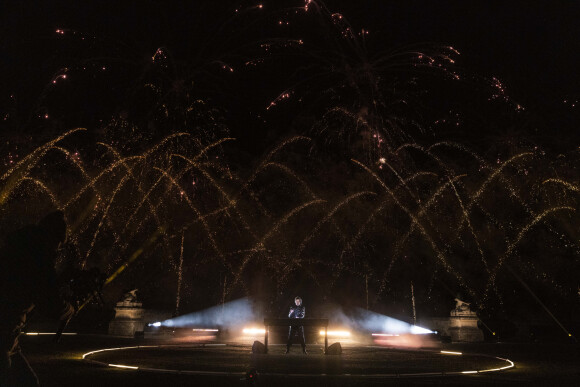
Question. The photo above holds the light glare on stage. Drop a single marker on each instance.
(123, 366)
(254, 331)
(336, 333)
(415, 330)
(451, 353)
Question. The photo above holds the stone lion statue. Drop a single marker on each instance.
(462, 306)
(130, 296)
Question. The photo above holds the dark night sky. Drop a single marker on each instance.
(532, 46)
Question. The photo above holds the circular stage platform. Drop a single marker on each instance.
(173, 362)
(355, 361)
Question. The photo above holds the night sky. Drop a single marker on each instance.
(500, 78)
(532, 47)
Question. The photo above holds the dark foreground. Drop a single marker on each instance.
(61, 364)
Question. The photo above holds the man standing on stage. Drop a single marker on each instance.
(296, 312)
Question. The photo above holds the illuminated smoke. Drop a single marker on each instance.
(366, 321)
(230, 314)
(374, 322)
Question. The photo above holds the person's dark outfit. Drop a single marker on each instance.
(28, 280)
(296, 312)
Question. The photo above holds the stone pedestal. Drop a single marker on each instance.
(463, 326)
(128, 319)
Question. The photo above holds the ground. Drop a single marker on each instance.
(62, 365)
